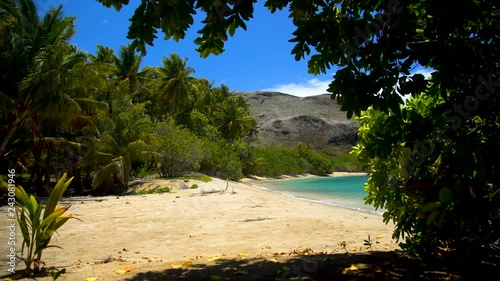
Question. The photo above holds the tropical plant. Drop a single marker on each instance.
(434, 185)
(377, 48)
(316, 163)
(176, 84)
(233, 119)
(43, 101)
(180, 150)
(125, 137)
(39, 64)
(38, 222)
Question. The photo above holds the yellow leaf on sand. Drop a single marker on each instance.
(242, 255)
(351, 268)
(120, 271)
(273, 260)
(215, 278)
(127, 268)
(380, 236)
(91, 279)
(184, 264)
(214, 258)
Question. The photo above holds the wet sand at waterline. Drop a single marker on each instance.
(158, 231)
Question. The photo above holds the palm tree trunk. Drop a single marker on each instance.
(10, 132)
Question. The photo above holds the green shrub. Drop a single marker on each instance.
(222, 161)
(194, 186)
(276, 161)
(316, 163)
(156, 190)
(347, 163)
(181, 151)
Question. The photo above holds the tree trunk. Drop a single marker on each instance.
(10, 132)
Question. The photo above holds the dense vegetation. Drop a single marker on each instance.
(428, 141)
(432, 157)
(103, 119)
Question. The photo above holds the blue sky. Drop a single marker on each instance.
(256, 59)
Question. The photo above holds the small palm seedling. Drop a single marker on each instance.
(368, 243)
(37, 229)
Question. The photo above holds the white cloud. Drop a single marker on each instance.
(105, 21)
(312, 87)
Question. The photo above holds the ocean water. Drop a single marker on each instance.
(347, 192)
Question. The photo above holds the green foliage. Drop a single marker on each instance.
(126, 137)
(196, 176)
(100, 117)
(347, 163)
(276, 161)
(194, 186)
(316, 163)
(37, 228)
(435, 189)
(431, 161)
(222, 161)
(155, 191)
(180, 150)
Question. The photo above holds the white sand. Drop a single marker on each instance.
(159, 229)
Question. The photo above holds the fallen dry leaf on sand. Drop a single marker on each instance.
(242, 255)
(120, 271)
(127, 268)
(214, 258)
(184, 264)
(351, 268)
(124, 269)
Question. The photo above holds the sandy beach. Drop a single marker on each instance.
(200, 226)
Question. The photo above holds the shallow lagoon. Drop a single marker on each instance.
(344, 191)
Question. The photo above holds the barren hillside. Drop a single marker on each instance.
(316, 120)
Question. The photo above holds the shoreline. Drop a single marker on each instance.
(256, 180)
(304, 176)
(150, 232)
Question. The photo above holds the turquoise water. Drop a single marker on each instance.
(347, 192)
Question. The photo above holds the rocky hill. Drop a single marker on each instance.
(315, 120)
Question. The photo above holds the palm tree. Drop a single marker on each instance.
(39, 63)
(39, 75)
(126, 137)
(176, 83)
(234, 118)
(117, 69)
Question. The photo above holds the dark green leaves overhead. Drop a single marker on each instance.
(174, 17)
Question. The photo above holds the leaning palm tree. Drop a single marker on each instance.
(126, 137)
(41, 86)
(38, 65)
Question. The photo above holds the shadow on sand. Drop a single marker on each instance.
(360, 266)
